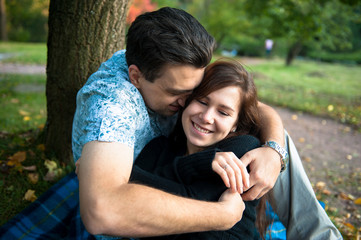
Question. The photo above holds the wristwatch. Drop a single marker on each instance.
(280, 150)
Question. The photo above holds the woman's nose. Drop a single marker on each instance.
(207, 116)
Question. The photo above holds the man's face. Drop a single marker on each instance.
(167, 94)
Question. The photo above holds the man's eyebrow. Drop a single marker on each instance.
(178, 91)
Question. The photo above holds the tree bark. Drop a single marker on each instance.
(3, 30)
(293, 52)
(82, 35)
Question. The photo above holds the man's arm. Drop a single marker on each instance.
(110, 205)
(264, 163)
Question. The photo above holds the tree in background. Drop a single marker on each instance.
(27, 20)
(309, 22)
(82, 35)
(3, 30)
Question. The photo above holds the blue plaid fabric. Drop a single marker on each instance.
(54, 215)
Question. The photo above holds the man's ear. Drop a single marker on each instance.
(134, 75)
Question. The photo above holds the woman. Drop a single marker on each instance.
(220, 116)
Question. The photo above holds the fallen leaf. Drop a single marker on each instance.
(326, 192)
(330, 108)
(320, 185)
(358, 201)
(345, 196)
(14, 100)
(50, 176)
(33, 178)
(294, 117)
(41, 147)
(26, 118)
(30, 195)
(23, 113)
(50, 165)
(349, 157)
(17, 158)
(307, 159)
(301, 140)
(349, 225)
(30, 168)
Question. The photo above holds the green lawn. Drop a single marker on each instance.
(319, 88)
(24, 53)
(22, 102)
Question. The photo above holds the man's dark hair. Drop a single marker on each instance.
(167, 36)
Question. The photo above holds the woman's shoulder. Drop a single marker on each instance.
(236, 142)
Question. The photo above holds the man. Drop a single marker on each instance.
(131, 99)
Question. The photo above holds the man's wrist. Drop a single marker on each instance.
(281, 152)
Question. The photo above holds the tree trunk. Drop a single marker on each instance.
(3, 30)
(293, 52)
(82, 35)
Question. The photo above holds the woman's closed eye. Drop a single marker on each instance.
(202, 102)
(223, 113)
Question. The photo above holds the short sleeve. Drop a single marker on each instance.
(109, 108)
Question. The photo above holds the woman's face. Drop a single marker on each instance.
(209, 120)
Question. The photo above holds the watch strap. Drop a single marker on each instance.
(280, 150)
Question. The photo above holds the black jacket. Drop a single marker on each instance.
(161, 165)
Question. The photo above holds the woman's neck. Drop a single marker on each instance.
(193, 149)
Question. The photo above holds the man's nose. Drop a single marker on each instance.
(182, 100)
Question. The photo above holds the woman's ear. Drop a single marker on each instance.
(134, 75)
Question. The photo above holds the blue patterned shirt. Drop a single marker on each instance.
(111, 109)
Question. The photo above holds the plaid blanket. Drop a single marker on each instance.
(55, 215)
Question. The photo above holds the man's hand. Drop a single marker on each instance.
(264, 165)
(232, 171)
(233, 206)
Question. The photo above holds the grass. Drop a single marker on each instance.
(320, 88)
(23, 53)
(22, 102)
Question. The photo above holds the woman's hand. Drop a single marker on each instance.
(232, 171)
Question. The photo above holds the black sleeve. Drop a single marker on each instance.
(198, 166)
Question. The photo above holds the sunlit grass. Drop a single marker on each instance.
(319, 88)
(23, 53)
(22, 102)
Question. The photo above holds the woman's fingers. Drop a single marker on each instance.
(233, 173)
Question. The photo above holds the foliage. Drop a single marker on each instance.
(138, 7)
(27, 20)
(319, 24)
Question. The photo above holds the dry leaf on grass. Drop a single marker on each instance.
(30, 195)
(30, 168)
(358, 201)
(17, 159)
(33, 178)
